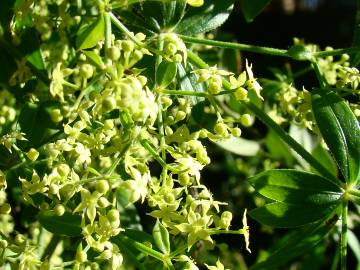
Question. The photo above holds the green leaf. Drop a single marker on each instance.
(296, 243)
(188, 81)
(205, 18)
(240, 146)
(173, 11)
(89, 35)
(161, 237)
(303, 137)
(165, 73)
(94, 58)
(296, 187)
(283, 215)
(340, 130)
(67, 224)
(278, 149)
(252, 8)
(325, 159)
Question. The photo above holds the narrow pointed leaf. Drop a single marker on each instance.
(89, 36)
(161, 237)
(283, 215)
(165, 73)
(340, 130)
(296, 187)
(252, 8)
(67, 224)
(296, 243)
(205, 18)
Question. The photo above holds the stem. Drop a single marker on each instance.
(233, 45)
(264, 50)
(129, 254)
(119, 159)
(107, 36)
(161, 126)
(337, 52)
(123, 28)
(141, 247)
(319, 74)
(50, 248)
(152, 151)
(343, 239)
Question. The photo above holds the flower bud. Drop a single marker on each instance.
(214, 88)
(246, 120)
(240, 93)
(220, 128)
(113, 215)
(114, 53)
(59, 210)
(32, 154)
(19, 239)
(56, 115)
(127, 45)
(86, 71)
(102, 186)
(5, 208)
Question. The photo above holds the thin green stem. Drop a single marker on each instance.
(142, 248)
(50, 248)
(123, 29)
(263, 50)
(192, 93)
(161, 125)
(337, 52)
(343, 239)
(319, 75)
(146, 144)
(108, 32)
(119, 158)
(233, 45)
(124, 248)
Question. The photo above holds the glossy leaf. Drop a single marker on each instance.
(165, 73)
(340, 130)
(283, 215)
(90, 35)
(67, 224)
(303, 137)
(278, 149)
(296, 243)
(252, 8)
(173, 11)
(188, 81)
(161, 237)
(325, 159)
(205, 18)
(94, 58)
(296, 187)
(240, 146)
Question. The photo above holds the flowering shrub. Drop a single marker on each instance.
(107, 108)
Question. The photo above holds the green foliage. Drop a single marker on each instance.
(108, 115)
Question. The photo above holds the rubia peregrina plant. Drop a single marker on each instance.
(108, 106)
